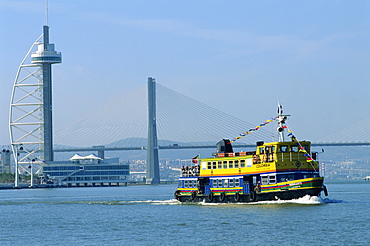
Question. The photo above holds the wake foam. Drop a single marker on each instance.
(308, 200)
(160, 202)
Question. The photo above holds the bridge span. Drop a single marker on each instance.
(102, 149)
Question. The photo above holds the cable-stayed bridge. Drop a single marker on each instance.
(182, 122)
(152, 119)
(356, 134)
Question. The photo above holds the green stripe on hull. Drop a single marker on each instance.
(295, 185)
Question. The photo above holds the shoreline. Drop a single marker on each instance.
(50, 186)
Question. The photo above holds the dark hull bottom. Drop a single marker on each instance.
(250, 197)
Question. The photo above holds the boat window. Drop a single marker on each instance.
(254, 180)
(225, 164)
(236, 164)
(231, 164)
(262, 150)
(219, 164)
(272, 179)
(268, 149)
(286, 177)
(231, 182)
(220, 183)
(294, 148)
(242, 163)
(214, 182)
(281, 178)
(186, 184)
(237, 182)
(305, 147)
(299, 176)
(310, 175)
(214, 165)
(226, 182)
(283, 148)
(209, 165)
(264, 179)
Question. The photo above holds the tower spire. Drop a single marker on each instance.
(47, 12)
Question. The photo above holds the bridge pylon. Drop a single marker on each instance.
(152, 163)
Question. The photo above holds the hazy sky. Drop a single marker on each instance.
(238, 56)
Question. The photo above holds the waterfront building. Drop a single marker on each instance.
(5, 161)
(86, 171)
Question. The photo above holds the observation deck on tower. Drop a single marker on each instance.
(45, 51)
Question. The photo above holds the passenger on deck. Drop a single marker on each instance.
(257, 189)
(191, 171)
(196, 170)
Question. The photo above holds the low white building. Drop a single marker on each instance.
(86, 171)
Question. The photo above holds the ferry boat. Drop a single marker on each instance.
(282, 170)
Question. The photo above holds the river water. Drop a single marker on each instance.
(148, 215)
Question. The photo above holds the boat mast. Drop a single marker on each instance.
(281, 119)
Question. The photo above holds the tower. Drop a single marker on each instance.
(30, 114)
(45, 56)
(152, 170)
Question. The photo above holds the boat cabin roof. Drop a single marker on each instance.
(225, 149)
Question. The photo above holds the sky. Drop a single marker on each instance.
(241, 57)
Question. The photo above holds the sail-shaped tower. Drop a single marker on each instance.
(30, 115)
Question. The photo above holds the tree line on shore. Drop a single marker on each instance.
(10, 177)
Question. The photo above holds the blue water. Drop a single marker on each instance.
(148, 215)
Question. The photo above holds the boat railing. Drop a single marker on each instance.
(292, 156)
(189, 174)
(288, 156)
(266, 157)
(281, 157)
(233, 154)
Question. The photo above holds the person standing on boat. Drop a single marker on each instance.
(257, 189)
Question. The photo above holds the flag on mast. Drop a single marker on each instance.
(195, 159)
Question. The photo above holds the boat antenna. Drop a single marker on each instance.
(281, 121)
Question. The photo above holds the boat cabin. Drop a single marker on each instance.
(268, 157)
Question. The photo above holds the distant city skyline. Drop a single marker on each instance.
(241, 58)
